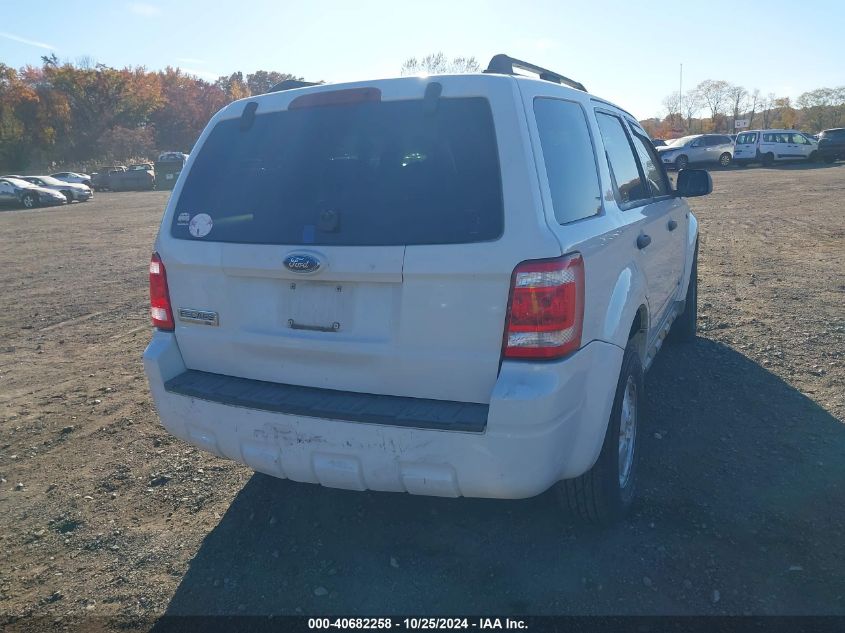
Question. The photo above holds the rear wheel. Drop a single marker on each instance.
(681, 162)
(725, 159)
(768, 159)
(30, 200)
(605, 493)
(813, 157)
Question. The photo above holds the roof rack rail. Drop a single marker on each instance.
(290, 84)
(504, 65)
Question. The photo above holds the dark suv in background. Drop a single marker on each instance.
(832, 144)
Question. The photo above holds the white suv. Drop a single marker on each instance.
(446, 286)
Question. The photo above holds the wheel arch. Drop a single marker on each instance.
(691, 249)
(627, 309)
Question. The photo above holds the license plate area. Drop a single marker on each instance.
(317, 306)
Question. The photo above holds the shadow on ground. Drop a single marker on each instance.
(741, 512)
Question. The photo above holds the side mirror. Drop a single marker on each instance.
(693, 182)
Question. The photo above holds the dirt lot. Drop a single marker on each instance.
(103, 514)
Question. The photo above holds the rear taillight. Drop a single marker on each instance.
(546, 310)
(160, 310)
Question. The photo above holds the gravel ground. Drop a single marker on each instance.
(107, 520)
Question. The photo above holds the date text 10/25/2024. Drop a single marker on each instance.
(418, 623)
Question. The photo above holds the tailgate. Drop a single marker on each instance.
(353, 245)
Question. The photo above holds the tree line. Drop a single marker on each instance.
(84, 113)
(715, 105)
(80, 114)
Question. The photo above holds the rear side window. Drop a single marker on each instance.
(374, 173)
(621, 160)
(776, 138)
(746, 138)
(654, 174)
(569, 158)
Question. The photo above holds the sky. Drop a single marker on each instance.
(627, 52)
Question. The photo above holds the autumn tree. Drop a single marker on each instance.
(100, 99)
(261, 81)
(690, 106)
(738, 101)
(714, 94)
(188, 104)
(672, 106)
(234, 86)
(754, 101)
(767, 107)
(439, 64)
(785, 112)
(822, 107)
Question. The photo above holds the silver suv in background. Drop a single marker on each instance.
(697, 148)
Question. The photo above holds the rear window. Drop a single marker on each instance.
(375, 173)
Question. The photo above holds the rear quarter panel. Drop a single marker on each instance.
(615, 286)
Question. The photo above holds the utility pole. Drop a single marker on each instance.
(681, 96)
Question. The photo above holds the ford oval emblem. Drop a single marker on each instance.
(302, 263)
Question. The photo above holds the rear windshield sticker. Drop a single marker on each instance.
(183, 218)
(200, 225)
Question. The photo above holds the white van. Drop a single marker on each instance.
(768, 146)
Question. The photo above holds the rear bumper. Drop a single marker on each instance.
(546, 422)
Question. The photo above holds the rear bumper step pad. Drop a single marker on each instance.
(330, 404)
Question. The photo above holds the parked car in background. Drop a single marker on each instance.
(72, 176)
(18, 192)
(71, 191)
(121, 178)
(484, 245)
(172, 156)
(168, 167)
(770, 146)
(140, 176)
(697, 149)
(832, 144)
(100, 178)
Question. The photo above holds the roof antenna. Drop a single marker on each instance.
(248, 116)
(432, 97)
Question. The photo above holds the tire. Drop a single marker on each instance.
(768, 159)
(813, 157)
(681, 162)
(68, 195)
(601, 495)
(725, 159)
(30, 201)
(684, 328)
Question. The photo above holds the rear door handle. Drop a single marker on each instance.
(643, 241)
(672, 225)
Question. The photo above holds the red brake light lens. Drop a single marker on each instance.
(546, 311)
(160, 310)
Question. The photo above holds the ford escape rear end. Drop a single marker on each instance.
(359, 286)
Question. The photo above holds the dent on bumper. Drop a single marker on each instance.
(546, 423)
